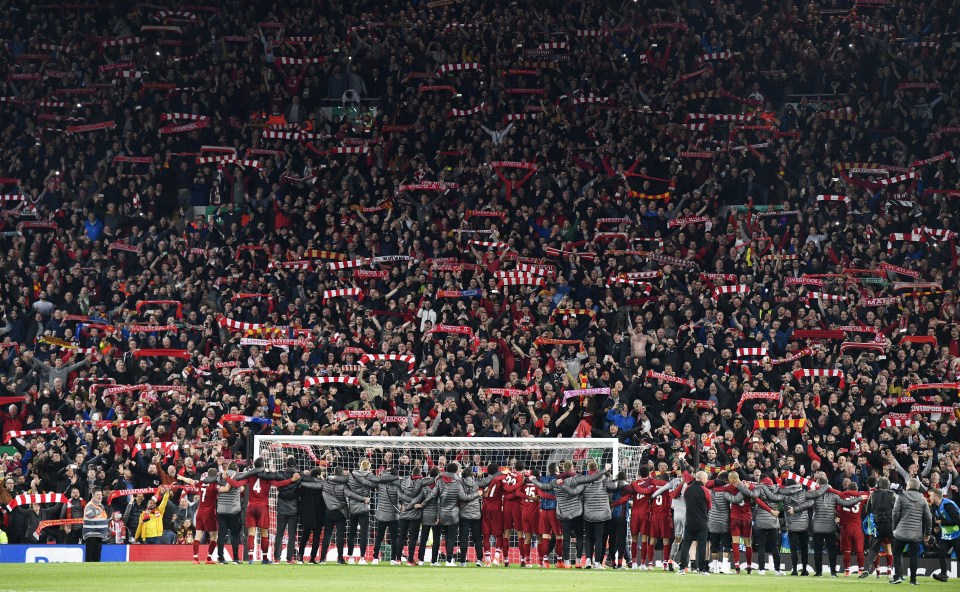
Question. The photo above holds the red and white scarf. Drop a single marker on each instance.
(734, 289)
(812, 372)
(37, 498)
(312, 381)
(410, 360)
(354, 292)
(661, 377)
(913, 237)
(767, 396)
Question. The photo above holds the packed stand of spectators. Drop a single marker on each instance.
(679, 202)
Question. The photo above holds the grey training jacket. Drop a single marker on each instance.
(771, 494)
(596, 499)
(388, 502)
(718, 518)
(409, 494)
(449, 494)
(362, 484)
(569, 504)
(431, 508)
(912, 520)
(471, 510)
(228, 502)
(825, 511)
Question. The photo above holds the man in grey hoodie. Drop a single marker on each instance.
(470, 516)
(449, 494)
(824, 525)
(335, 495)
(362, 482)
(429, 519)
(569, 506)
(912, 523)
(718, 518)
(796, 514)
(228, 512)
(410, 494)
(596, 511)
(388, 504)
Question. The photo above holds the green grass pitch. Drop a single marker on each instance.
(55, 577)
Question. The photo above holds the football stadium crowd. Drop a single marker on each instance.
(721, 231)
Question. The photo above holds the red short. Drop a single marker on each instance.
(207, 521)
(549, 523)
(851, 539)
(640, 523)
(530, 518)
(258, 517)
(512, 518)
(741, 528)
(491, 522)
(661, 526)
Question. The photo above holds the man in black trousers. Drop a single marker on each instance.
(698, 504)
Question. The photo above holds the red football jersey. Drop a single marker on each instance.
(208, 497)
(662, 504)
(641, 501)
(259, 492)
(850, 518)
(529, 496)
(742, 511)
(512, 482)
(493, 496)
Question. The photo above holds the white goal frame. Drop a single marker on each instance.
(609, 452)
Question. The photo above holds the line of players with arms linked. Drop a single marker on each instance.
(581, 518)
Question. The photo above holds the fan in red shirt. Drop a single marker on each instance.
(851, 528)
(513, 481)
(206, 521)
(258, 500)
(491, 512)
(640, 516)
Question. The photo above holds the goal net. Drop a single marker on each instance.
(403, 454)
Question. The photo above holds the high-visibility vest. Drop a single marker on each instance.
(948, 533)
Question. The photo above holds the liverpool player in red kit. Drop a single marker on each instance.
(529, 521)
(741, 518)
(258, 515)
(640, 517)
(661, 525)
(851, 528)
(491, 512)
(512, 512)
(206, 521)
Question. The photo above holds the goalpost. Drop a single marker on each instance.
(402, 454)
